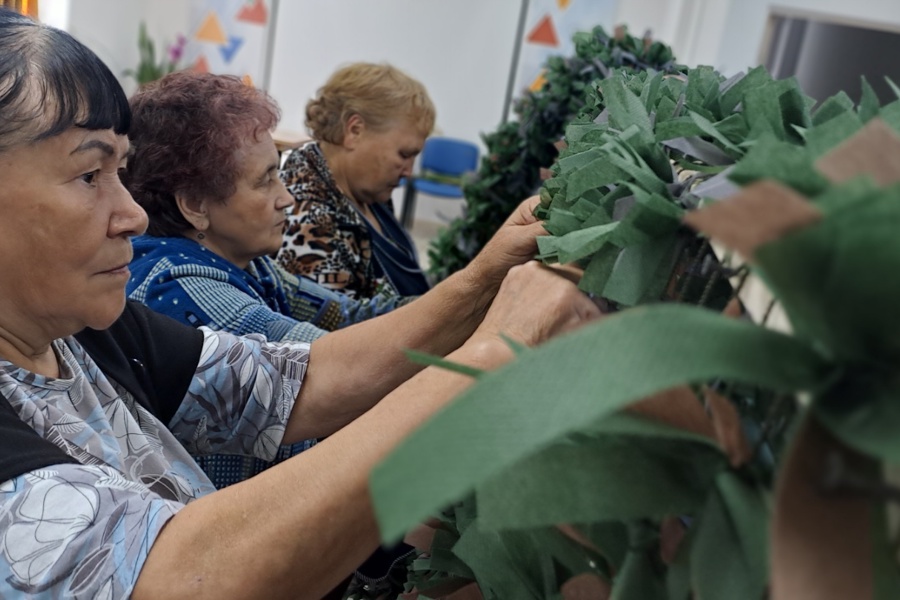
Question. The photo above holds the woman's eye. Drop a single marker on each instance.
(90, 178)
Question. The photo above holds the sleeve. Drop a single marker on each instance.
(74, 531)
(339, 310)
(241, 396)
(222, 305)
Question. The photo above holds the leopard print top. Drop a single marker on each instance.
(326, 239)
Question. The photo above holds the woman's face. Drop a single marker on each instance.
(250, 222)
(380, 159)
(65, 223)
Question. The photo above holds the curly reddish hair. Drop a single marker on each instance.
(186, 130)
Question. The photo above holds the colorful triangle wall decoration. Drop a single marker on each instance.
(544, 33)
(538, 82)
(230, 49)
(563, 4)
(202, 65)
(211, 30)
(254, 12)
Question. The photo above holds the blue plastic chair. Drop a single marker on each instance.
(444, 163)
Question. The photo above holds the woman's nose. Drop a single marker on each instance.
(285, 199)
(129, 218)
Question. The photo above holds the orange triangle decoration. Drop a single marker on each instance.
(248, 81)
(211, 30)
(538, 82)
(563, 4)
(202, 65)
(544, 33)
(254, 12)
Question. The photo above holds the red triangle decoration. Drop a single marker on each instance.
(202, 65)
(254, 12)
(544, 33)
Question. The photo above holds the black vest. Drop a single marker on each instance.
(150, 355)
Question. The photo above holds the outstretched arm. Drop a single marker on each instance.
(353, 368)
(296, 530)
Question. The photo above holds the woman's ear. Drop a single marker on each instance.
(353, 131)
(193, 210)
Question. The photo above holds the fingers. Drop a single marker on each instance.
(513, 244)
(524, 213)
(535, 303)
(571, 271)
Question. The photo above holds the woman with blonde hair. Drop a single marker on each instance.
(368, 122)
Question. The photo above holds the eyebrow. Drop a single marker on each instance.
(104, 147)
(273, 167)
(89, 145)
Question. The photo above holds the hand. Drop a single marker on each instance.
(534, 304)
(513, 244)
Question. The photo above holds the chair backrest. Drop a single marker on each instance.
(449, 156)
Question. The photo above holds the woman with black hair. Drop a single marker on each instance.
(102, 401)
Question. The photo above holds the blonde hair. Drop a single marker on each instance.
(379, 93)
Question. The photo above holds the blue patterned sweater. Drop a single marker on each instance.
(180, 278)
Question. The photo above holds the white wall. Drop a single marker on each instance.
(460, 50)
(110, 27)
(693, 28)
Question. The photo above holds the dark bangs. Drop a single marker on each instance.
(50, 82)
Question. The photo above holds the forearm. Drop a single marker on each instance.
(355, 311)
(297, 529)
(352, 369)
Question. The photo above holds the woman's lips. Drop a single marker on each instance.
(119, 270)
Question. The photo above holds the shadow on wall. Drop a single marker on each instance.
(828, 57)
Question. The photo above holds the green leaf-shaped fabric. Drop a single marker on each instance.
(658, 470)
(513, 412)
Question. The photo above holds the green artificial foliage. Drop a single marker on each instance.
(516, 152)
(645, 148)
(545, 440)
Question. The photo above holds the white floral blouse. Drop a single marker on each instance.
(84, 530)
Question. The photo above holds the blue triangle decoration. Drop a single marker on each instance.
(230, 49)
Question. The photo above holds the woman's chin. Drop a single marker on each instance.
(105, 311)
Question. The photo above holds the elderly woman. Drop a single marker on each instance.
(369, 123)
(102, 401)
(204, 168)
